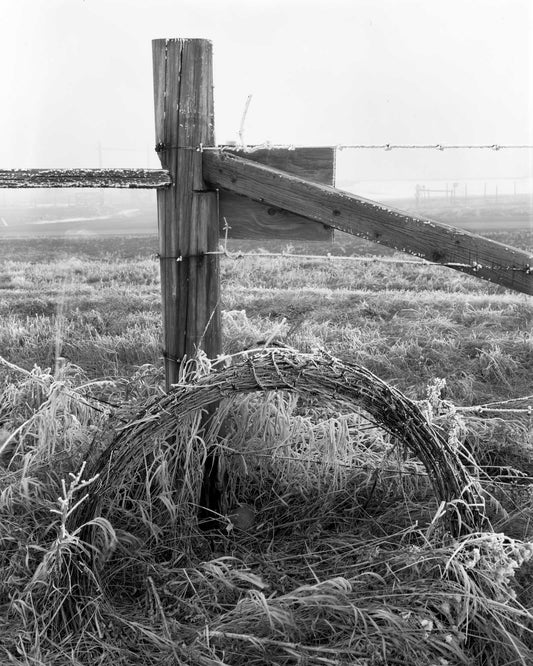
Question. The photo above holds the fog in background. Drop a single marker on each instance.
(76, 83)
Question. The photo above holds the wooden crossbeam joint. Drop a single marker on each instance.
(241, 217)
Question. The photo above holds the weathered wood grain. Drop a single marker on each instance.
(347, 212)
(187, 211)
(248, 219)
(251, 220)
(119, 178)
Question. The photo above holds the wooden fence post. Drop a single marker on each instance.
(187, 210)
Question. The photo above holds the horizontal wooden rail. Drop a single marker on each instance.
(422, 237)
(121, 178)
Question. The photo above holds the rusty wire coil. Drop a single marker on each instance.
(339, 385)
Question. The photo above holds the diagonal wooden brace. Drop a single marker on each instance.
(420, 236)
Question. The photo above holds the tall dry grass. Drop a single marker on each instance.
(329, 546)
(340, 563)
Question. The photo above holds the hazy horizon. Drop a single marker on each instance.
(76, 77)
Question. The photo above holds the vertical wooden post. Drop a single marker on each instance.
(187, 210)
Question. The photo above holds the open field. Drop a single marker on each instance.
(329, 548)
(133, 212)
(96, 301)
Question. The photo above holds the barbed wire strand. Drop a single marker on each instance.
(223, 251)
(437, 146)
(374, 146)
(331, 257)
(493, 407)
(494, 410)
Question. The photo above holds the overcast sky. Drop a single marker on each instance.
(76, 73)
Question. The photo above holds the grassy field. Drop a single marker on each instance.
(338, 562)
(97, 303)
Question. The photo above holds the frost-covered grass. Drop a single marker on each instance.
(339, 559)
(341, 562)
(406, 323)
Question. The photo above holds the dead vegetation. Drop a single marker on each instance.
(376, 530)
(361, 521)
